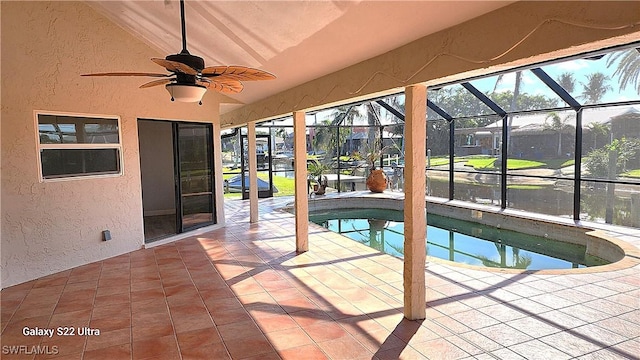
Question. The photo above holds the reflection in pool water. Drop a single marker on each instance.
(457, 240)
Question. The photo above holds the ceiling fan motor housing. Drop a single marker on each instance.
(194, 61)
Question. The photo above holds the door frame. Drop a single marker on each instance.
(180, 229)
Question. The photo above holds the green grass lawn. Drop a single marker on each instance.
(632, 174)
(285, 185)
(481, 163)
(520, 164)
(489, 163)
(525, 187)
(229, 173)
(444, 160)
(439, 161)
(486, 162)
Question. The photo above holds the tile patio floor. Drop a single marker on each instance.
(242, 292)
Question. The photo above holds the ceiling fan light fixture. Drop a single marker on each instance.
(186, 92)
(189, 79)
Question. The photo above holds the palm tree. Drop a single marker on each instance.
(628, 67)
(599, 130)
(322, 137)
(345, 115)
(559, 125)
(373, 121)
(397, 102)
(567, 81)
(513, 105)
(595, 88)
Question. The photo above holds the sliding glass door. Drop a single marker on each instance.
(176, 166)
(194, 165)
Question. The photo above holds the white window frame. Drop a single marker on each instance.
(40, 147)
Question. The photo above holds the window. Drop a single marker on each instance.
(72, 146)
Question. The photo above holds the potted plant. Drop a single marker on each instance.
(377, 180)
(317, 178)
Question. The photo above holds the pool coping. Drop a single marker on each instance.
(603, 240)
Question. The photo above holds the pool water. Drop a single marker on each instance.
(457, 240)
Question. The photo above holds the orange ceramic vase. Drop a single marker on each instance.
(377, 181)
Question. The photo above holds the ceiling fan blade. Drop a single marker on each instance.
(155, 83)
(175, 66)
(227, 86)
(127, 74)
(204, 82)
(242, 73)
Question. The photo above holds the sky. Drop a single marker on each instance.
(532, 85)
(580, 68)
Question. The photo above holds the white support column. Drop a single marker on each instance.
(415, 221)
(300, 171)
(253, 173)
(218, 180)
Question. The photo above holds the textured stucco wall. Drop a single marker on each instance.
(522, 33)
(52, 226)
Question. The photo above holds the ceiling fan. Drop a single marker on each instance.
(188, 79)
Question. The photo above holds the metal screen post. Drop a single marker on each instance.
(578, 166)
(503, 159)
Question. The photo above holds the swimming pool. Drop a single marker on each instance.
(457, 240)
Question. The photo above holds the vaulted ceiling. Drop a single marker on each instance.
(298, 41)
